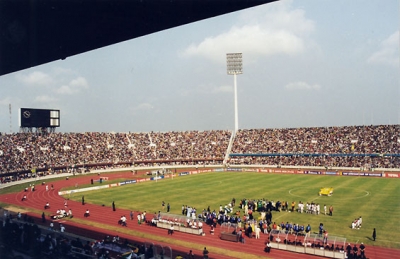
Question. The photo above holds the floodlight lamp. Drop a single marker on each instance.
(234, 63)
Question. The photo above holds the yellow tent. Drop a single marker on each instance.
(328, 191)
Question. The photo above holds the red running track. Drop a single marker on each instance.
(105, 215)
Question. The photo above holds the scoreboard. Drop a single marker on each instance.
(39, 118)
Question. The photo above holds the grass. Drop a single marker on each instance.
(375, 199)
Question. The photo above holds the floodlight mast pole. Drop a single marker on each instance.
(236, 104)
(235, 67)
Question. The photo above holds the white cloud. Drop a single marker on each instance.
(75, 86)
(388, 52)
(79, 82)
(302, 86)
(36, 78)
(65, 89)
(45, 99)
(262, 31)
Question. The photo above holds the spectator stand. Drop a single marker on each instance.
(313, 244)
(180, 222)
(229, 232)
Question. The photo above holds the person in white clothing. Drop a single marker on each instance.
(354, 224)
(258, 230)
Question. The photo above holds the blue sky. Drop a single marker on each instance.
(306, 63)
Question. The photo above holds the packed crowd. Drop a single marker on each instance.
(25, 151)
(348, 141)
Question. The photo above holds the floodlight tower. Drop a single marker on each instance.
(234, 67)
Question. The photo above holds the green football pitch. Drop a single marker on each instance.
(375, 199)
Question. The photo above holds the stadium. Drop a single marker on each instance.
(282, 186)
(208, 169)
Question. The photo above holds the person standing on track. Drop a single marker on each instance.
(362, 251)
(325, 237)
(348, 250)
(113, 206)
(205, 253)
(268, 247)
(171, 230)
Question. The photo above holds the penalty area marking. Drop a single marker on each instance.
(366, 193)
